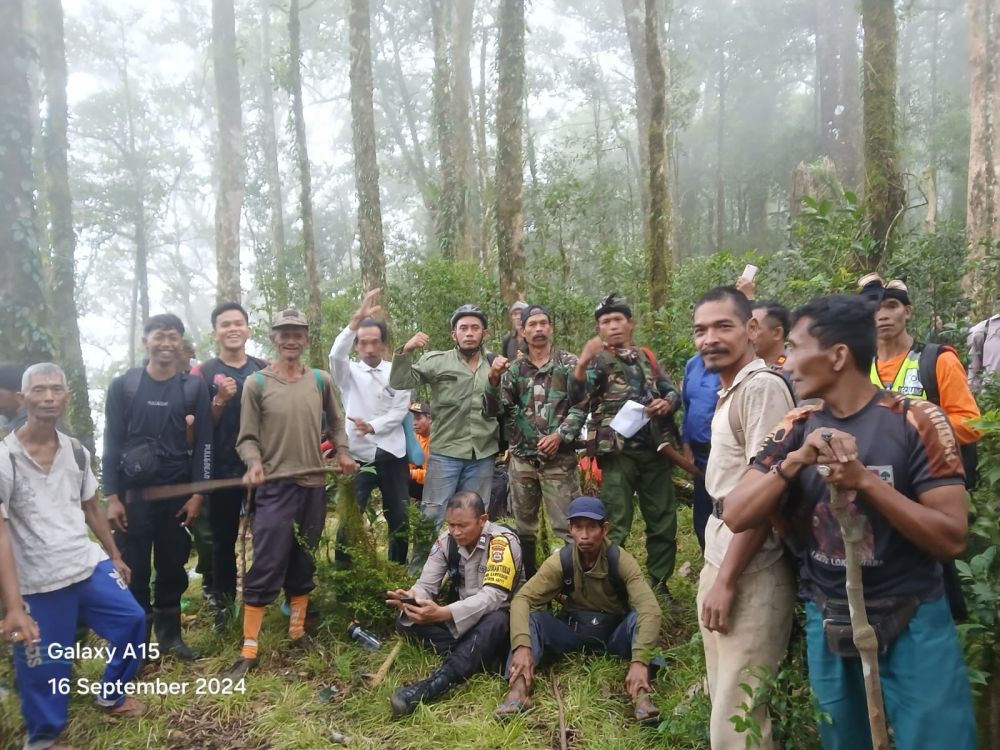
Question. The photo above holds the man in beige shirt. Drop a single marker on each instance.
(280, 413)
(746, 591)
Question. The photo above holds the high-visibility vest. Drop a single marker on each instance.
(907, 380)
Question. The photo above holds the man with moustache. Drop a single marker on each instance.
(542, 425)
(280, 429)
(48, 496)
(610, 372)
(895, 463)
(376, 411)
(746, 591)
(147, 417)
(225, 375)
(464, 442)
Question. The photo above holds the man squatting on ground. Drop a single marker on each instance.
(746, 590)
(148, 414)
(472, 630)
(609, 607)
(376, 412)
(464, 442)
(542, 426)
(48, 495)
(280, 430)
(898, 462)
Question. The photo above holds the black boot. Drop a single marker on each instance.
(167, 623)
(528, 556)
(405, 700)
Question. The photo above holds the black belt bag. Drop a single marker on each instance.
(888, 616)
(593, 627)
(140, 460)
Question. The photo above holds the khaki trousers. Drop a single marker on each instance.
(761, 622)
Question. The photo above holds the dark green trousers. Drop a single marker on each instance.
(648, 475)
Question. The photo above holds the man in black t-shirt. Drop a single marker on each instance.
(898, 464)
(146, 444)
(224, 375)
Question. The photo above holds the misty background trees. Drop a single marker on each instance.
(169, 156)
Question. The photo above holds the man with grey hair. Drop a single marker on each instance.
(48, 496)
(482, 561)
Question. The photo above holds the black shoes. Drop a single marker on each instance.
(167, 624)
(406, 699)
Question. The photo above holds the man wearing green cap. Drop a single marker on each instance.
(612, 373)
(542, 425)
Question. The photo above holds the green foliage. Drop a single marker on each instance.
(795, 715)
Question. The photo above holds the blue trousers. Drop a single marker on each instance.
(447, 475)
(103, 604)
(552, 637)
(925, 686)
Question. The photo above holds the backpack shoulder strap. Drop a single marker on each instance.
(927, 369)
(208, 370)
(130, 382)
(260, 381)
(739, 397)
(453, 569)
(190, 384)
(81, 463)
(318, 374)
(614, 554)
(566, 562)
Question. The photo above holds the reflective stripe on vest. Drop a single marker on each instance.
(907, 380)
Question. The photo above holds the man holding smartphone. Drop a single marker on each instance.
(482, 561)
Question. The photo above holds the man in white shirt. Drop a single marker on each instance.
(377, 411)
(47, 494)
(746, 590)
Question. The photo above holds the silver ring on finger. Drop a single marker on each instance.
(827, 435)
(823, 470)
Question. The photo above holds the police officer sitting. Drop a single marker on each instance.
(482, 561)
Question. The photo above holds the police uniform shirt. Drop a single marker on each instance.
(489, 574)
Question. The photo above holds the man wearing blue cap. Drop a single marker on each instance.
(609, 607)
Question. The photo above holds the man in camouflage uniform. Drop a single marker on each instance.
(542, 424)
(611, 371)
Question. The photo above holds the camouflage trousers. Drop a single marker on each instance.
(555, 482)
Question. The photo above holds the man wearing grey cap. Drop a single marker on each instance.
(280, 434)
(609, 607)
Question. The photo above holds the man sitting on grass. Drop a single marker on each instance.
(483, 562)
(609, 607)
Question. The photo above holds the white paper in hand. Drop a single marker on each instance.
(630, 419)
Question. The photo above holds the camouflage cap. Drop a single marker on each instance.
(289, 317)
(613, 303)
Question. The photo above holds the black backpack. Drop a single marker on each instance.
(189, 383)
(614, 575)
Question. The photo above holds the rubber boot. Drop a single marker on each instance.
(528, 556)
(167, 624)
(406, 699)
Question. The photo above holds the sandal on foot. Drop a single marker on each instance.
(646, 714)
(130, 708)
(512, 707)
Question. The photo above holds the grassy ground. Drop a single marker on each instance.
(296, 701)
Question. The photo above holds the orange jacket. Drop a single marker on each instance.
(419, 473)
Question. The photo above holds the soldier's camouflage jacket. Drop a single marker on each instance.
(614, 377)
(535, 403)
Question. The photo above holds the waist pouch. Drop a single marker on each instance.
(889, 617)
(593, 627)
(140, 460)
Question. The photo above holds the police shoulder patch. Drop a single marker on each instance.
(500, 569)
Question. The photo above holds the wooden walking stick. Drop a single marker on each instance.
(852, 530)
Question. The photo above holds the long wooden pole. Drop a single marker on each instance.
(852, 530)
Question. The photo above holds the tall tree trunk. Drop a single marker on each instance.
(62, 240)
(983, 204)
(510, 170)
(314, 304)
(25, 335)
(720, 130)
(229, 159)
(634, 21)
(272, 170)
(136, 169)
(460, 49)
(838, 86)
(884, 194)
(482, 159)
(659, 235)
(365, 159)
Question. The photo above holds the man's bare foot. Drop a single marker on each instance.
(516, 702)
(129, 709)
(646, 713)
